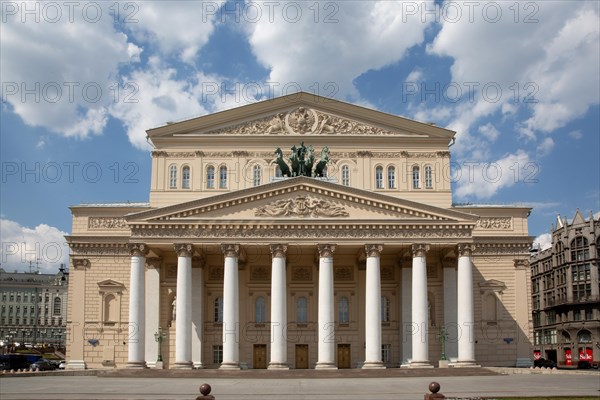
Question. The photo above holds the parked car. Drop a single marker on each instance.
(13, 362)
(543, 363)
(43, 365)
(62, 364)
(583, 364)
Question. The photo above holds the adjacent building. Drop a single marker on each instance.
(33, 307)
(299, 232)
(566, 292)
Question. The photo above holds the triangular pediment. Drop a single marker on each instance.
(300, 114)
(300, 199)
(109, 284)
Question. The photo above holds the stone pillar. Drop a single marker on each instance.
(137, 298)
(420, 318)
(465, 316)
(152, 309)
(278, 308)
(75, 332)
(407, 326)
(373, 308)
(326, 347)
(197, 307)
(231, 310)
(450, 301)
(183, 307)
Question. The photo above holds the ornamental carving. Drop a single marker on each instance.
(138, 249)
(326, 250)
(420, 250)
(387, 273)
(465, 250)
(301, 121)
(343, 274)
(301, 206)
(260, 274)
(107, 223)
(153, 262)
(301, 274)
(81, 263)
(230, 250)
(494, 223)
(373, 250)
(278, 250)
(184, 249)
(216, 273)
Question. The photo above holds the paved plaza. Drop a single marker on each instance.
(353, 386)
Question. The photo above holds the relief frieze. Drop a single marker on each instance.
(301, 274)
(107, 223)
(494, 223)
(301, 206)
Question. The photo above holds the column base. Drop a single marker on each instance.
(183, 365)
(198, 365)
(136, 365)
(373, 365)
(325, 365)
(76, 364)
(279, 366)
(465, 364)
(230, 366)
(419, 364)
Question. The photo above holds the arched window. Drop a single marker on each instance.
(391, 176)
(260, 311)
(185, 177)
(428, 177)
(584, 336)
(566, 337)
(385, 309)
(173, 177)
(302, 310)
(57, 306)
(210, 177)
(345, 175)
(256, 175)
(379, 178)
(580, 249)
(223, 177)
(416, 177)
(343, 311)
(560, 253)
(110, 308)
(218, 317)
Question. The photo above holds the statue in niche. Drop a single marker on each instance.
(174, 309)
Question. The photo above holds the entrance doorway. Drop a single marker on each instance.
(259, 360)
(301, 356)
(551, 355)
(343, 356)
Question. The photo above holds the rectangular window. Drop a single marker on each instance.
(379, 178)
(386, 353)
(217, 354)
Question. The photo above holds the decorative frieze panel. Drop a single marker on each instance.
(302, 274)
(494, 223)
(107, 223)
(387, 273)
(260, 274)
(216, 273)
(301, 206)
(343, 274)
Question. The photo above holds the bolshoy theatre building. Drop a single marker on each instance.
(299, 232)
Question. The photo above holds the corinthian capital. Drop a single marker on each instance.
(420, 250)
(466, 250)
(373, 250)
(326, 250)
(231, 250)
(278, 250)
(138, 249)
(184, 249)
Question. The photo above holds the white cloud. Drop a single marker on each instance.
(576, 134)
(545, 147)
(484, 180)
(179, 29)
(415, 75)
(345, 40)
(58, 75)
(489, 132)
(543, 241)
(44, 244)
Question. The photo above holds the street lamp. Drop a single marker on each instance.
(158, 337)
(443, 337)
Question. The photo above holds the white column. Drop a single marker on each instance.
(373, 308)
(75, 333)
(197, 307)
(231, 311)
(326, 347)
(407, 326)
(152, 309)
(137, 325)
(450, 301)
(465, 317)
(420, 339)
(278, 308)
(183, 307)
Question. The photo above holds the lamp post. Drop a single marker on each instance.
(158, 336)
(443, 336)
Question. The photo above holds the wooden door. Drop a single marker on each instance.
(260, 356)
(343, 356)
(301, 356)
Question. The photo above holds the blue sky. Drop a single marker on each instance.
(82, 81)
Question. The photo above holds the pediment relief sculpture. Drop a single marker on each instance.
(301, 206)
(302, 121)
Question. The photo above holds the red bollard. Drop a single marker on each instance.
(205, 392)
(434, 388)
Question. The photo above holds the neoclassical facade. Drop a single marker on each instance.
(239, 263)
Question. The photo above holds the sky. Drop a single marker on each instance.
(81, 82)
